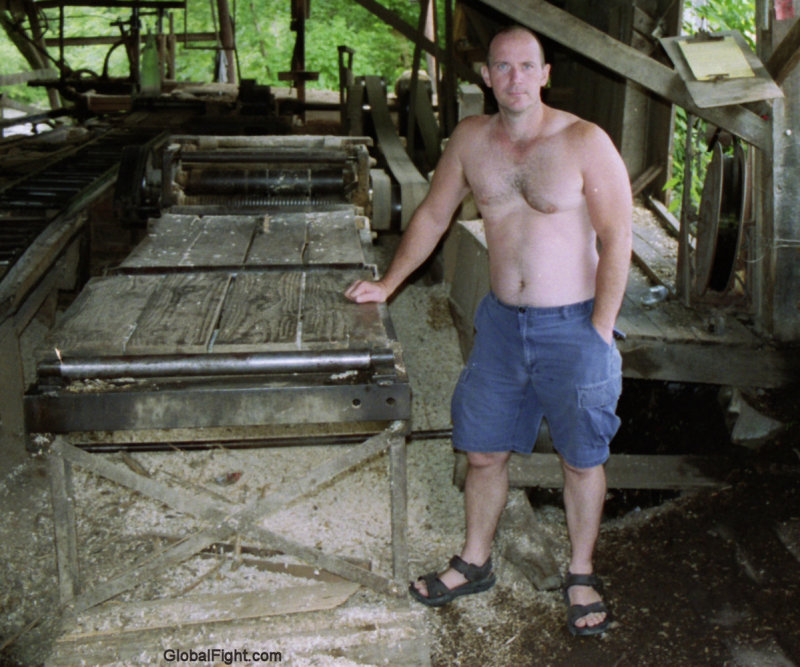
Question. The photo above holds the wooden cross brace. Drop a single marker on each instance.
(226, 520)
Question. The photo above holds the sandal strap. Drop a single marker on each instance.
(470, 571)
(591, 580)
(434, 585)
(578, 611)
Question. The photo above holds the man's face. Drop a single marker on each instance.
(515, 70)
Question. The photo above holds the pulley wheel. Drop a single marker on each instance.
(719, 226)
(131, 200)
(381, 199)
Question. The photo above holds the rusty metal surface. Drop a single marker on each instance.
(206, 403)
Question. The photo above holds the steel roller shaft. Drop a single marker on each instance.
(328, 361)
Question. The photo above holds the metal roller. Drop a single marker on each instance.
(216, 364)
(248, 155)
(242, 203)
(260, 181)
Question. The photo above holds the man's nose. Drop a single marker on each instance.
(515, 73)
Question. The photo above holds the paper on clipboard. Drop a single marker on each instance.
(716, 58)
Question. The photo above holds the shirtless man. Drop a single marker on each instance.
(555, 200)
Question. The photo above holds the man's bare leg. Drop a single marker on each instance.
(485, 494)
(584, 495)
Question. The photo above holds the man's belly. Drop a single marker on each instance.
(541, 260)
(543, 283)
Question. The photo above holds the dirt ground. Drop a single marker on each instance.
(707, 578)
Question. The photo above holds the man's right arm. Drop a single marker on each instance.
(426, 227)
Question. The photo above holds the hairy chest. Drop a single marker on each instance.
(544, 178)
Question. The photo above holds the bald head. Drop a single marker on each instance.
(514, 30)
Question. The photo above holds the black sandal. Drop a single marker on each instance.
(479, 579)
(576, 611)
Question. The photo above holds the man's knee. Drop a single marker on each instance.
(487, 459)
(581, 474)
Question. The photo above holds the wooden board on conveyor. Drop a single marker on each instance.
(238, 283)
(265, 239)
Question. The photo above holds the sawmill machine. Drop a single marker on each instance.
(230, 313)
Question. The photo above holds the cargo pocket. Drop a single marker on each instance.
(599, 402)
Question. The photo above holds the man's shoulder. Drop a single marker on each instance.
(466, 135)
(568, 123)
(579, 132)
(470, 125)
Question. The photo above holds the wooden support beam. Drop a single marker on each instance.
(66, 541)
(399, 492)
(124, 4)
(395, 634)
(410, 32)
(145, 570)
(229, 520)
(413, 88)
(644, 256)
(645, 178)
(773, 269)
(12, 388)
(786, 55)
(668, 221)
(694, 361)
(228, 41)
(138, 617)
(181, 38)
(568, 30)
(624, 471)
(24, 77)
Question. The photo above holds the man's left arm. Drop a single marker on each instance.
(609, 201)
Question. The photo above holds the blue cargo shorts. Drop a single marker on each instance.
(527, 363)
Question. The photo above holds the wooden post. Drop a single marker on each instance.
(66, 541)
(447, 106)
(777, 247)
(12, 387)
(346, 81)
(170, 53)
(411, 130)
(226, 34)
(684, 278)
(399, 492)
(432, 33)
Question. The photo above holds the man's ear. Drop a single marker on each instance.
(546, 75)
(485, 75)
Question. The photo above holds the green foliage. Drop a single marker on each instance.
(264, 40)
(12, 62)
(719, 15)
(266, 49)
(727, 15)
(701, 160)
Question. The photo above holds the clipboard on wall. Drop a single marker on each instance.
(720, 69)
